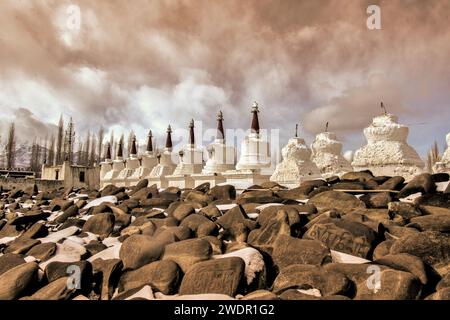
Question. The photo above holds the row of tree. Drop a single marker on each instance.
(56, 150)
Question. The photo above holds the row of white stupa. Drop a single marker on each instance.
(386, 153)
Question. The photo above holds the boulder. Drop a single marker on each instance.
(422, 183)
(138, 250)
(403, 209)
(222, 276)
(405, 262)
(9, 261)
(394, 183)
(439, 223)
(437, 200)
(341, 201)
(225, 192)
(393, 285)
(72, 211)
(303, 276)
(163, 276)
(101, 224)
(265, 237)
(109, 272)
(288, 250)
(43, 251)
(344, 236)
(21, 245)
(431, 247)
(56, 290)
(16, 281)
(376, 200)
(187, 252)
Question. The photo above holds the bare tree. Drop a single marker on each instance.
(100, 136)
(70, 140)
(433, 156)
(51, 152)
(92, 156)
(112, 143)
(131, 135)
(11, 147)
(59, 157)
(87, 148)
(80, 152)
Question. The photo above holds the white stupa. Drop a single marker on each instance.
(327, 155)
(191, 162)
(112, 176)
(254, 163)
(105, 167)
(296, 166)
(444, 164)
(127, 176)
(387, 151)
(221, 158)
(165, 165)
(146, 163)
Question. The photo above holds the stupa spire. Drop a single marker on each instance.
(296, 130)
(255, 121)
(120, 150)
(191, 133)
(133, 150)
(220, 131)
(326, 127)
(383, 108)
(169, 138)
(108, 151)
(149, 142)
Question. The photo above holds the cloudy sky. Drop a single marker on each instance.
(144, 64)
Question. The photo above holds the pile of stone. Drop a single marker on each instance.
(355, 237)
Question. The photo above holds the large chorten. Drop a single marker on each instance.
(111, 177)
(296, 166)
(387, 151)
(221, 158)
(254, 163)
(444, 164)
(191, 162)
(327, 155)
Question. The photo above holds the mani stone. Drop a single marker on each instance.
(312, 277)
(101, 224)
(222, 276)
(289, 250)
(343, 236)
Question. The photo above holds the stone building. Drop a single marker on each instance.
(72, 176)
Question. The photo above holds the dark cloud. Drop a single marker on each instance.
(145, 64)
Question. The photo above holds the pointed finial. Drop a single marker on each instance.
(220, 116)
(296, 130)
(220, 131)
(191, 132)
(149, 142)
(255, 121)
(133, 150)
(326, 127)
(255, 107)
(108, 151)
(383, 108)
(169, 138)
(120, 151)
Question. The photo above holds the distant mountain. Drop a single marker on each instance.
(23, 155)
